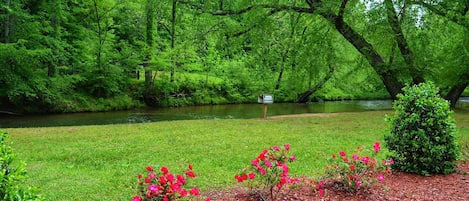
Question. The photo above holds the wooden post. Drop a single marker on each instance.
(265, 111)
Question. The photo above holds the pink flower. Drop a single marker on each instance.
(267, 163)
(149, 168)
(380, 177)
(287, 147)
(292, 158)
(376, 146)
(195, 191)
(153, 188)
(355, 157)
(137, 198)
(321, 192)
(358, 184)
(342, 153)
(164, 170)
(276, 148)
(152, 175)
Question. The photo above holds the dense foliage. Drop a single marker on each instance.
(64, 56)
(422, 138)
(12, 175)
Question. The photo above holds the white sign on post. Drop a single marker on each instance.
(265, 99)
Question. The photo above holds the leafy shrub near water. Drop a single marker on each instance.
(422, 137)
(12, 175)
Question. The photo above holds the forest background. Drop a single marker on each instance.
(100, 55)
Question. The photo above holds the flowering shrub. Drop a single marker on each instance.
(269, 171)
(164, 186)
(358, 171)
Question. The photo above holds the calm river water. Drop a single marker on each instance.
(241, 111)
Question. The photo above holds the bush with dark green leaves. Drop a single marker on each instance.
(422, 138)
(12, 175)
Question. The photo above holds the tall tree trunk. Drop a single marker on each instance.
(455, 92)
(100, 36)
(6, 32)
(173, 37)
(55, 26)
(149, 40)
(304, 97)
(406, 52)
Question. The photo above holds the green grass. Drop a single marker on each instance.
(101, 162)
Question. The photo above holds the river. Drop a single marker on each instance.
(231, 111)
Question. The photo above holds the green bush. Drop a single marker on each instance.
(422, 137)
(12, 174)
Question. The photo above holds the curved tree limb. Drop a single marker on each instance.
(406, 52)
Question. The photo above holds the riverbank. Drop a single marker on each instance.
(101, 162)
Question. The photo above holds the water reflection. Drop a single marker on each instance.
(240, 111)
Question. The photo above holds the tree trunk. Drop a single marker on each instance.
(304, 97)
(388, 76)
(149, 41)
(6, 32)
(173, 37)
(406, 52)
(455, 92)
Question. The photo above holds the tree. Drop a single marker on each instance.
(336, 12)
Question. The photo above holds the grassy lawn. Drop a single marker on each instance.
(101, 162)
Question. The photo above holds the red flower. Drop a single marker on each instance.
(207, 199)
(150, 169)
(137, 198)
(195, 191)
(181, 179)
(147, 180)
(170, 178)
(342, 153)
(190, 174)
(287, 147)
(190, 166)
(139, 176)
(352, 167)
(164, 170)
(183, 192)
(252, 175)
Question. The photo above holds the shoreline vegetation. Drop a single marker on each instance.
(102, 162)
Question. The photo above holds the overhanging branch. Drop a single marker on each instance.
(275, 8)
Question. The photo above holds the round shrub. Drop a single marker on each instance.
(422, 138)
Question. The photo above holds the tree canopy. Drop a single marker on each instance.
(61, 56)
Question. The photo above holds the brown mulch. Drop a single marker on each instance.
(398, 186)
